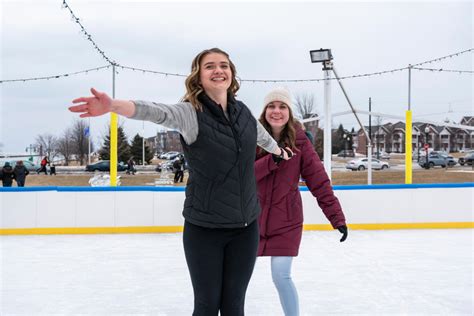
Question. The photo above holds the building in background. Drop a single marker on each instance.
(390, 137)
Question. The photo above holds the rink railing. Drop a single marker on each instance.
(94, 210)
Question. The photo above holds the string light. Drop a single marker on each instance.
(445, 70)
(321, 79)
(89, 37)
(166, 74)
(444, 57)
(86, 34)
(56, 76)
(151, 71)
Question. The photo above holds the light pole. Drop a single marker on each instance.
(427, 145)
(143, 144)
(347, 139)
(31, 149)
(324, 56)
(418, 144)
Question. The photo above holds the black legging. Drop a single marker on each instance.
(220, 262)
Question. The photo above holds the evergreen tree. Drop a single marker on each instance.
(136, 150)
(319, 143)
(338, 140)
(351, 142)
(123, 148)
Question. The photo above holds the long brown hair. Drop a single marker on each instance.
(193, 86)
(288, 134)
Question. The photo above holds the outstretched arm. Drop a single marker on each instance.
(100, 103)
(265, 140)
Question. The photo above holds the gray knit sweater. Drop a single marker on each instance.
(182, 117)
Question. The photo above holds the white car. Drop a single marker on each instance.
(382, 155)
(363, 163)
(170, 155)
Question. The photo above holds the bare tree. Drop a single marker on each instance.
(305, 105)
(79, 140)
(65, 145)
(47, 144)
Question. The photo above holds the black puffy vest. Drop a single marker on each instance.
(221, 190)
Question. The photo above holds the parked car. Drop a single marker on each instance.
(170, 155)
(168, 165)
(434, 159)
(346, 153)
(382, 155)
(450, 160)
(363, 163)
(466, 159)
(104, 165)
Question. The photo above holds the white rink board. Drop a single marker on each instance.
(135, 208)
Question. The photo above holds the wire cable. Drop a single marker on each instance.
(87, 35)
(56, 76)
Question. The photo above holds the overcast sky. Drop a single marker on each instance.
(266, 40)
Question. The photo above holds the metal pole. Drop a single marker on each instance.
(143, 144)
(369, 142)
(113, 137)
(370, 122)
(409, 87)
(408, 135)
(327, 66)
(89, 143)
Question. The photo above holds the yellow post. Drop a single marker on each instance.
(408, 148)
(113, 149)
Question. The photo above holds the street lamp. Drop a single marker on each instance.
(418, 145)
(427, 131)
(31, 149)
(347, 139)
(324, 56)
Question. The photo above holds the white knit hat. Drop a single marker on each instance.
(278, 94)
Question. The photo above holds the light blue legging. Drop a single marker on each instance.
(281, 275)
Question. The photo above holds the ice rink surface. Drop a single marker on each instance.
(394, 272)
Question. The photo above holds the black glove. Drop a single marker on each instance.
(288, 152)
(278, 158)
(343, 230)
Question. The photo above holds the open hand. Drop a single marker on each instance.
(100, 103)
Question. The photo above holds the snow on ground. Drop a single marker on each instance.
(403, 272)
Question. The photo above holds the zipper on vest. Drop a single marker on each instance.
(239, 150)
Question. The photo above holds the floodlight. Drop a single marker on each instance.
(320, 55)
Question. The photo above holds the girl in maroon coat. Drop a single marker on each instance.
(281, 220)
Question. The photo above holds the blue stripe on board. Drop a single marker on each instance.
(181, 189)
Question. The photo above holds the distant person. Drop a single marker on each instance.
(307, 133)
(131, 166)
(43, 164)
(281, 219)
(20, 172)
(52, 169)
(178, 167)
(219, 136)
(7, 175)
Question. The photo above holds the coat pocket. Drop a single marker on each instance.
(294, 212)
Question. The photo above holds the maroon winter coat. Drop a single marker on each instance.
(281, 219)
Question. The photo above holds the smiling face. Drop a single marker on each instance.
(277, 115)
(215, 73)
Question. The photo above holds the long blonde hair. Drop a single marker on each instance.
(193, 86)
